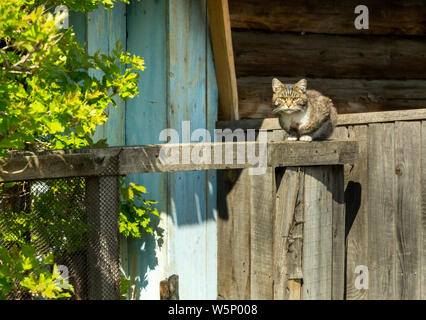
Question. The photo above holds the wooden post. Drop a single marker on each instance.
(102, 198)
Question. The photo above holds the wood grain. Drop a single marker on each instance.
(220, 29)
(356, 198)
(396, 17)
(381, 208)
(348, 95)
(408, 210)
(342, 119)
(234, 235)
(423, 225)
(329, 56)
(262, 209)
(317, 235)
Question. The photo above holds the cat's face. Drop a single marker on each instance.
(289, 98)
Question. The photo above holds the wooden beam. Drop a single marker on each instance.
(329, 16)
(220, 29)
(342, 120)
(348, 95)
(328, 56)
(146, 159)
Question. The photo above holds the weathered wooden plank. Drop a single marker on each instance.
(329, 56)
(317, 235)
(104, 29)
(147, 37)
(220, 29)
(288, 234)
(186, 101)
(343, 119)
(262, 208)
(147, 159)
(211, 176)
(348, 95)
(356, 194)
(234, 235)
(423, 173)
(381, 211)
(337, 184)
(329, 16)
(408, 210)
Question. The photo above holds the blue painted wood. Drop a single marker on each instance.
(191, 250)
(178, 85)
(104, 29)
(146, 116)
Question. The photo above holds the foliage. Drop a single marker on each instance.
(31, 272)
(136, 213)
(49, 97)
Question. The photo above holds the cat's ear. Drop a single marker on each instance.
(302, 85)
(276, 85)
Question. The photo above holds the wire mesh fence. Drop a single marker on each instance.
(73, 219)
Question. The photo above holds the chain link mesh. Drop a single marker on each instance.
(76, 220)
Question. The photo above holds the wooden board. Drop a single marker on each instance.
(329, 56)
(220, 29)
(381, 208)
(423, 225)
(348, 95)
(146, 159)
(288, 233)
(234, 235)
(262, 209)
(356, 197)
(146, 37)
(342, 120)
(329, 16)
(408, 210)
(317, 235)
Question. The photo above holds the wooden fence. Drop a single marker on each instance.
(385, 228)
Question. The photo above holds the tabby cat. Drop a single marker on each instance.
(305, 115)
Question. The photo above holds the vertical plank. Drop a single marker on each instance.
(317, 235)
(211, 177)
(262, 208)
(408, 210)
(288, 234)
(234, 235)
(187, 54)
(356, 194)
(146, 28)
(381, 212)
(220, 29)
(338, 232)
(104, 29)
(423, 246)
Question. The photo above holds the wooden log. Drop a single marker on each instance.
(408, 210)
(348, 95)
(220, 29)
(328, 56)
(145, 159)
(381, 208)
(342, 120)
(396, 17)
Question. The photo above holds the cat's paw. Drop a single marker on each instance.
(306, 138)
(291, 138)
